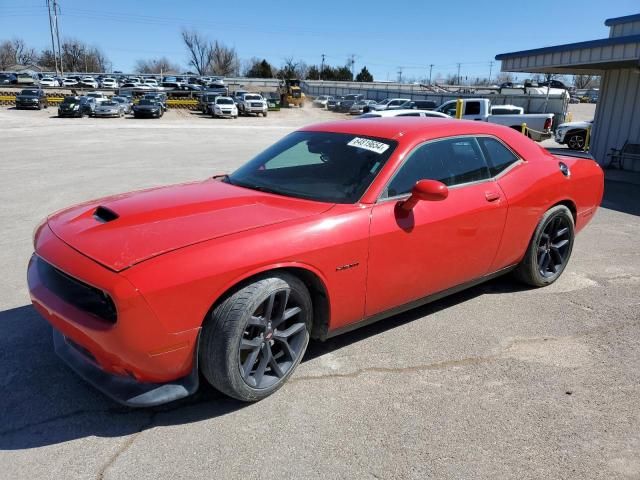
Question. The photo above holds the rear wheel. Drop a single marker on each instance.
(550, 248)
(256, 337)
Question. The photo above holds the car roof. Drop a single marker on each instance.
(409, 128)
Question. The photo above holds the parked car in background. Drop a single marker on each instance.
(479, 109)
(109, 83)
(109, 108)
(159, 97)
(227, 279)
(419, 105)
(206, 101)
(252, 103)
(334, 101)
(403, 113)
(49, 82)
(89, 82)
(8, 79)
(69, 82)
(98, 96)
(152, 82)
(25, 79)
(360, 107)
(224, 107)
(389, 104)
(126, 103)
(347, 102)
(237, 95)
(32, 98)
(321, 101)
(76, 106)
(147, 108)
(273, 101)
(506, 110)
(573, 134)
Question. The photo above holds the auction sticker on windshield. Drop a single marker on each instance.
(371, 145)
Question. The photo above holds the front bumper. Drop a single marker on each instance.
(136, 349)
(559, 136)
(123, 389)
(106, 114)
(146, 113)
(23, 104)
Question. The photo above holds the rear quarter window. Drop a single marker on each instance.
(497, 154)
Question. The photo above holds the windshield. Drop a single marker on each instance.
(384, 102)
(252, 97)
(71, 101)
(320, 166)
(119, 99)
(146, 102)
(224, 101)
(29, 92)
(109, 104)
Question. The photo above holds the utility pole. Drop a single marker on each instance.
(53, 43)
(56, 10)
(399, 74)
(430, 70)
(352, 62)
(459, 73)
(490, 69)
(322, 66)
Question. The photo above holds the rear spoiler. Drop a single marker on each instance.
(566, 152)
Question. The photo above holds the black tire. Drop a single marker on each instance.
(264, 114)
(575, 141)
(239, 337)
(549, 250)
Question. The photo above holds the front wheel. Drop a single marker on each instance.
(256, 337)
(576, 141)
(550, 248)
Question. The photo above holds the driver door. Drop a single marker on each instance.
(438, 244)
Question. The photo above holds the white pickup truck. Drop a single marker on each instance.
(252, 103)
(480, 109)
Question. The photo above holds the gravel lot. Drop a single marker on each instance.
(496, 382)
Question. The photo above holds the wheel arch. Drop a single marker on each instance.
(312, 279)
(570, 205)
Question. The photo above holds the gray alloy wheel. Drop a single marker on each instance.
(550, 248)
(576, 141)
(256, 337)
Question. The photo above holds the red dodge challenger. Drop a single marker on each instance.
(335, 226)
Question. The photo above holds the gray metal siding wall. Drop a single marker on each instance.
(618, 115)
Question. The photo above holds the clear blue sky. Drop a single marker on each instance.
(382, 34)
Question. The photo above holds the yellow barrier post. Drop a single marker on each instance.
(459, 108)
(587, 140)
(524, 128)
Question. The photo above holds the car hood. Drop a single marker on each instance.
(575, 125)
(147, 107)
(26, 97)
(126, 229)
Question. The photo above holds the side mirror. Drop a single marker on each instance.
(429, 190)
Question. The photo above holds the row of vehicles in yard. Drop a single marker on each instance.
(538, 125)
(96, 104)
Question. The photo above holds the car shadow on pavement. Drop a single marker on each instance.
(45, 403)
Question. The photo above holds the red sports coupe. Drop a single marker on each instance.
(334, 226)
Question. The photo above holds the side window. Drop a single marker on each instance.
(409, 115)
(498, 156)
(454, 161)
(472, 108)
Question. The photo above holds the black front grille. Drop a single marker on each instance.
(82, 296)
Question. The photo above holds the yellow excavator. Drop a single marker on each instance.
(291, 93)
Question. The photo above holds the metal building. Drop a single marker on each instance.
(617, 59)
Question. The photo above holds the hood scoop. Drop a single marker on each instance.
(104, 214)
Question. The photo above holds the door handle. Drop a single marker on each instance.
(492, 196)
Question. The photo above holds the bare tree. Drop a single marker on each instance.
(14, 52)
(200, 50)
(79, 57)
(223, 60)
(583, 81)
(156, 65)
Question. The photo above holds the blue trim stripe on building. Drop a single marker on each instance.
(618, 20)
(602, 42)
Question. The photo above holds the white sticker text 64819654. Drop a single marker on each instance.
(367, 144)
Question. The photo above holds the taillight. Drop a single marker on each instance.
(547, 123)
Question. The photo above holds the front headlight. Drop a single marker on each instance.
(76, 107)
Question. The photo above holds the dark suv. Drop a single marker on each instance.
(32, 98)
(74, 106)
